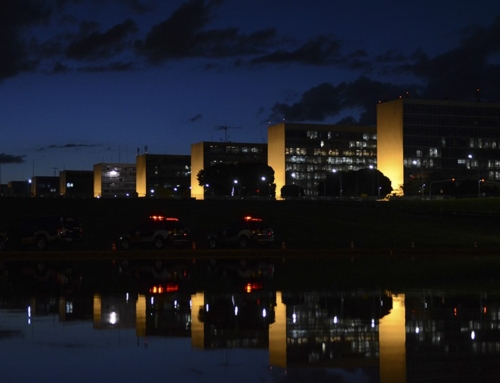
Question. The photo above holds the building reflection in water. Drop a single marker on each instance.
(423, 334)
(392, 339)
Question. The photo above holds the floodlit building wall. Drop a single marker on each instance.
(390, 143)
(141, 176)
(197, 164)
(276, 155)
(97, 180)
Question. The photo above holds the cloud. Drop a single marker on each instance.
(102, 45)
(457, 73)
(184, 35)
(454, 74)
(11, 159)
(109, 67)
(66, 146)
(321, 50)
(137, 6)
(326, 101)
(14, 53)
(315, 104)
(195, 118)
(391, 56)
(178, 35)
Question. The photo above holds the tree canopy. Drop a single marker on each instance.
(237, 180)
(363, 182)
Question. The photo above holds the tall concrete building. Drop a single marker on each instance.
(442, 139)
(161, 175)
(303, 154)
(205, 154)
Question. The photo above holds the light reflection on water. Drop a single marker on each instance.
(59, 327)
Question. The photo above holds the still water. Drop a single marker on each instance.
(148, 321)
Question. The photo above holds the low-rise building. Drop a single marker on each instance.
(76, 183)
(45, 186)
(114, 180)
(163, 176)
(205, 154)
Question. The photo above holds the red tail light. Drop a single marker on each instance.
(249, 287)
(161, 289)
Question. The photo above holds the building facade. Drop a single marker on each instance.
(303, 154)
(76, 183)
(437, 140)
(205, 154)
(163, 176)
(114, 180)
(16, 189)
(45, 186)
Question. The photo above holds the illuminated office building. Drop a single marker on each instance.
(114, 180)
(443, 139)
(205, 154)
(303, 154)
(161, 175)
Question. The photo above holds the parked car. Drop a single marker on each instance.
(243, 233)
(157, 232)
(41, 232)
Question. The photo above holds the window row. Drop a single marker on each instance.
(329, 135)
(452, 110)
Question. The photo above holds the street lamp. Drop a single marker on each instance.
(235, 182)
(373, 179)
(478, 177)
(374, 168)
(340, 183)
(263, 179)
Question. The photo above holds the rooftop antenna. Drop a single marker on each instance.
(225, 128)
(55, 171)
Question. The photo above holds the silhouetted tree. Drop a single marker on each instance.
(292, 191)
(238, 180)
(355, 184)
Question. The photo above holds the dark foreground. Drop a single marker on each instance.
(320, 244)
(291, 269)
(299, 225)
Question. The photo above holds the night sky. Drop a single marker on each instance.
(89, 81)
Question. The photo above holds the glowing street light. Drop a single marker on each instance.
(340, 183)
(478, 177)
(263, 179)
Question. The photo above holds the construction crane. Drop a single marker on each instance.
(225, 129)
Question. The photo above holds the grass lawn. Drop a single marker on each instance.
(298, 224)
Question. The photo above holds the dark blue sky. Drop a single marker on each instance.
(89, 81)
